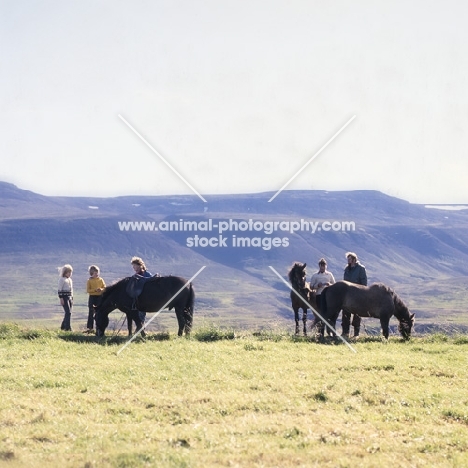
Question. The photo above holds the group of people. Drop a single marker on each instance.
(354, 273)
(94, 287)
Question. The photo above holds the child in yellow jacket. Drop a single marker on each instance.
(94, 287)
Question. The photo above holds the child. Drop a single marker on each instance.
(65, 293)
(94, 287)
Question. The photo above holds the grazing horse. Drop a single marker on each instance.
(157, 291)
(297, 278)
(378, 301)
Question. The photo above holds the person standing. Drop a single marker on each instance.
(65, 293)
(94, 287)
(354, 273)
(320, 280)
(139, 268)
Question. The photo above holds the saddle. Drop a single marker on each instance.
(135, 286)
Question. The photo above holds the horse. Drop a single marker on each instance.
(156, 292)
(378, 301)
(297, 278)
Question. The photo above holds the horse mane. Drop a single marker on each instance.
(401, 309)
(294, 266)
(115, 285)
(384, 288)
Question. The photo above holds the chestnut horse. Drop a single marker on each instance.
(378, 301)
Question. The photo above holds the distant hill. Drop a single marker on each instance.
(407, 246)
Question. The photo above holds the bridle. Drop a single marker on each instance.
(299, 284)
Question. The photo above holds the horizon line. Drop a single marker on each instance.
(190, 195)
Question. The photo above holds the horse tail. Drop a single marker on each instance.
(188, 309)
(190, 299)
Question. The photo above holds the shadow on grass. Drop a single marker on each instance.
(110, 339)
(212, 333)
(334, 340)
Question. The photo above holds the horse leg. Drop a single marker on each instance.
(129, 325)
(180, 320)
(296, 318)
(316, 321)
(304, 320)
(345, 323)
(384, 323)
(356, 323)
(332, 322)
(188, 314)
(135, 316)
(323, 306)
(139, 325)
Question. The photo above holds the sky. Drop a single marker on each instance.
(237, 96)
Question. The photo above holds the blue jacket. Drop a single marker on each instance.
(356, 275)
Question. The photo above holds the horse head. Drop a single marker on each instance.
(404, 316)
(105, 305)
(406, 325)
(101, 319)
(297, 276)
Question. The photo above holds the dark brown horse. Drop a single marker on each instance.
(297, 278)
(157, 291)
(378, 301)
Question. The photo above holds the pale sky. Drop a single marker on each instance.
(236, 95)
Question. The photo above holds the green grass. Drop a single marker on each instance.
(231, 398)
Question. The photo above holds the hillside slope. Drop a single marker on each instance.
(405, 245)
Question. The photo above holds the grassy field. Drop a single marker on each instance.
(226, 398)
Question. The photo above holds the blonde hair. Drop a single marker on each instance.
(66, 269)
(138, 261)
(93, 268)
